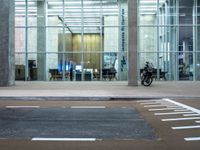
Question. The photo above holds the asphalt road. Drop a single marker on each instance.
(99, 125)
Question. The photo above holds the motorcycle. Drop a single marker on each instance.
(147, 74)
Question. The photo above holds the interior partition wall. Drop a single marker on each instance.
(169, 38)
(71, 40)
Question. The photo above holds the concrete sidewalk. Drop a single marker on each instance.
(101, 90)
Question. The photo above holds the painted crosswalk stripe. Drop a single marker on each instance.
(144, 101)
(172, 113)
(192, 139)
(22, 106)
(180, 110)
(150, 103)
(148, 106)
(162, 109)
(181, 119)
(185, 127)
(88, 107)
(63, 139)
(190, 115)
(171, 106)
(184, 106)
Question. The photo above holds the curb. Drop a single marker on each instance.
(91, 98)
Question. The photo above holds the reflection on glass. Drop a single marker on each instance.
(171, 30)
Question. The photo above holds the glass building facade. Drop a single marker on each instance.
(169, 37)
(71, 40)
(87, 40)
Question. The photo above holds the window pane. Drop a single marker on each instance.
(54, 39)
(20, 13)
(33, 13)
(147, 12)
(32, 39)
(20, 40)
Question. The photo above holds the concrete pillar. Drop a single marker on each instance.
(132, 43)
(7, 54)
(41, 40)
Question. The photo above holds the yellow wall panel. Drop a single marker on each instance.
(91, 52)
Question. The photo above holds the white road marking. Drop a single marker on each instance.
(144, 101)
(150, 103)
(192, 139)
(185, 127)
(148, 106)
(172, 113)
(63, 139)
(22, 106)
(160, 109)
(172, 106)
(181, 110)
(88, 107)
(188, 112)
(184, 106)
(190, 115)
(181, 119)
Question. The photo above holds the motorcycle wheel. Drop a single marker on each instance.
(142, 76)
(147, 81)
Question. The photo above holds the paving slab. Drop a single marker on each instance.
(99, 90)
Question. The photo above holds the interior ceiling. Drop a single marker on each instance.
(149, 6)
(91, 12)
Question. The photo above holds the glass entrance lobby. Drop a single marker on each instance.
(87, 40)
(71, 40)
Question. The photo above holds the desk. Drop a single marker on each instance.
(96, 76)
(88, 76)
(109, 73)
(56, 75)
(78, 76)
